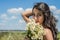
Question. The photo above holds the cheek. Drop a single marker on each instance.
(41, 19)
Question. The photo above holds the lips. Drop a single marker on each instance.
(36, 21)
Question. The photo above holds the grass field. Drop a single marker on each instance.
(15, 35)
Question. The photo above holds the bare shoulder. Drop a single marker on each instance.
(47, 30)
(48, 34)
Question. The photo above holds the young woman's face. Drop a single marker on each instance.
(38, 16)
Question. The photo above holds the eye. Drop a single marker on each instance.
(39, 14)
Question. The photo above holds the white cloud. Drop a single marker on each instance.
(57, 17)
(4, 16)
(58, 11)
(21, 21)
(52, 7)
(2, 24)
(28, 9)
(15, 10)
(13, 17)
(20, 10)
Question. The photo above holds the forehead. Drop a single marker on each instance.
(36, 11)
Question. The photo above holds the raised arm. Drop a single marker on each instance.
(26, 15)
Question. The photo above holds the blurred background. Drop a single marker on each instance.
(12, 25)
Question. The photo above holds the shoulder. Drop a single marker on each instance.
(47, 30)
(48, 34)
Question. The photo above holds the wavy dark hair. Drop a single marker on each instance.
(49, 20)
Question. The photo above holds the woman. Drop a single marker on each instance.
(42, 15)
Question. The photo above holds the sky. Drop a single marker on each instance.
(11, 10)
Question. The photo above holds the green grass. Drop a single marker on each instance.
(58, 36)
(15, 35)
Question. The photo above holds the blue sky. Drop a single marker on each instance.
(11, 10)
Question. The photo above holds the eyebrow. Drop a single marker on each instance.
(37, 14)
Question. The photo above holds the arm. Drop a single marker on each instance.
(26, 15)
(48, 35)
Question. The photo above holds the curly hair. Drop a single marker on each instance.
(49, 20)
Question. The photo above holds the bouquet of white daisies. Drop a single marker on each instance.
(34, 30)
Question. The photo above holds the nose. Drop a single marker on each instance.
(36, 19)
